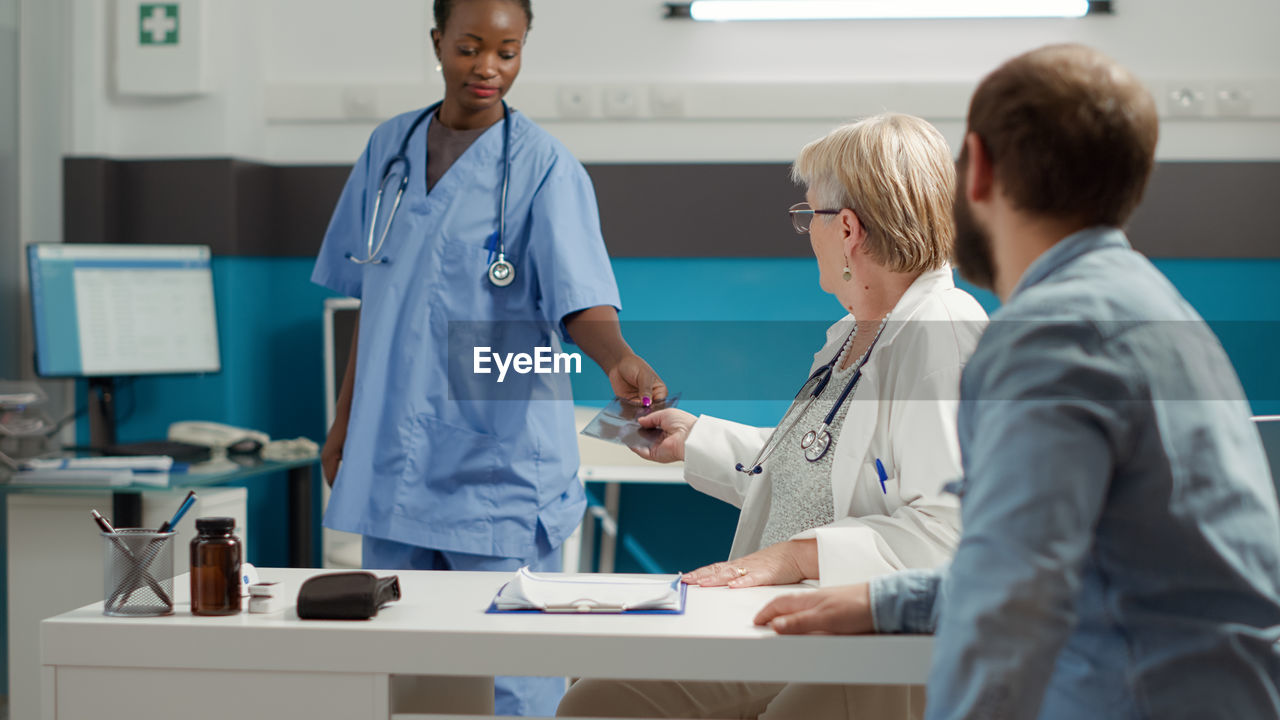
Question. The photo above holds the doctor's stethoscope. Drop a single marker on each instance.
(501, 272)
(816, 442)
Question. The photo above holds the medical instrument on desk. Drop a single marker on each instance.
(248, 577)
(501, 272)
(884, 476)
(267, 597)
(187, 502)
(816, 442)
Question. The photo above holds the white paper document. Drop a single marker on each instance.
(110, 471)
(112, 478)
(152, 463)
(582, 592)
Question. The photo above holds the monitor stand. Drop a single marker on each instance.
(102, 412)
(126, 507)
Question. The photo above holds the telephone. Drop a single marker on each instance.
(212, 434)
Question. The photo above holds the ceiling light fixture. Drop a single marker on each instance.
(730, 10)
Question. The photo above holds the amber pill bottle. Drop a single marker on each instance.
(215, 567)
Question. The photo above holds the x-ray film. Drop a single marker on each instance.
(619, 423)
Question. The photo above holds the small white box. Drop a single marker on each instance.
(161, 48)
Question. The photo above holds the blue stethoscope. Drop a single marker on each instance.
(501, 272)
(816, 442)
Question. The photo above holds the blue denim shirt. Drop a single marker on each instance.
(1121, 547)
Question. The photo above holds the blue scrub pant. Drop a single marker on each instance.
(512, 695)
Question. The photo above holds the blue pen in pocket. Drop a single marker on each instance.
(491, 245)
(884, 477)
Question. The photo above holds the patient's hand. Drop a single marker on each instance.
(675, 425)
(783, 563)
(837, 611)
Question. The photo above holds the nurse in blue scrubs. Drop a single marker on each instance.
(438, 467)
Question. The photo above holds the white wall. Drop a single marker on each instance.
(43, 131)
(305, 80)
(227, 121)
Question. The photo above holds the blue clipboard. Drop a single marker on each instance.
(494, 610)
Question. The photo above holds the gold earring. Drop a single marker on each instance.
(847, 275)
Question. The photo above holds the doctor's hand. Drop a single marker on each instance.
(675, 425)
(834, 611)
(783, 563)
(633, 380)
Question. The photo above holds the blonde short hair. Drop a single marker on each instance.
(896, 172)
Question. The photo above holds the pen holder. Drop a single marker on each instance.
(138, 573)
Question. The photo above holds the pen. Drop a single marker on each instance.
(492, 246)
(102, 522)
(182, 510)
(884, 477)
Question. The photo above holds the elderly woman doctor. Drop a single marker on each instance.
(850, 483)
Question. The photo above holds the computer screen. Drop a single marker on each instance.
(105, 310)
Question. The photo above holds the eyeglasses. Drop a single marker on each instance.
(802, 216)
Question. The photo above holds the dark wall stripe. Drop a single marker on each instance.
(240, 208)
(1210, 209)
(711, 210)
(1192, 209)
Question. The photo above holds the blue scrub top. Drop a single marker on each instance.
(435, 455)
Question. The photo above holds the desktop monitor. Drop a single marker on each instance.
(113, 310)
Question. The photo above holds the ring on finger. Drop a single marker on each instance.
(741, 571)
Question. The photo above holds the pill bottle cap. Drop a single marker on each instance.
(215, 525)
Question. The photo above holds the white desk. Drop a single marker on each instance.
(56, 560)
(279, 666)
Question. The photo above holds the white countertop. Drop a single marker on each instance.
(440, 628)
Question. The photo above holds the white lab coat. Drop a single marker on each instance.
(903, 411)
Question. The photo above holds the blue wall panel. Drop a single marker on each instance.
(269, 320)
(682, 529)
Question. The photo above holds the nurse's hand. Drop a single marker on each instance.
(784, 563)
(835, 611)
(331, 454)
(633, 380)
(675, 424)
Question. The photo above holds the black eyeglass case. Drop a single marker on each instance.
(346, 596)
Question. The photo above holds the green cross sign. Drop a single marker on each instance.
(158, 24)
